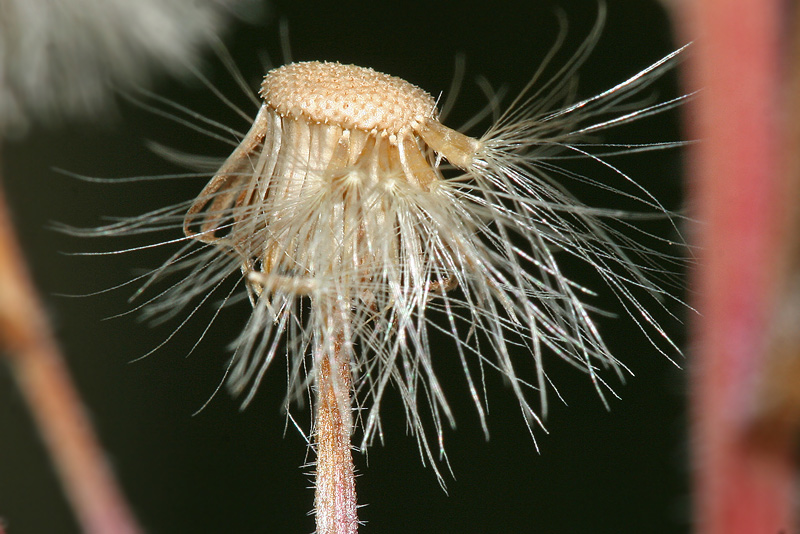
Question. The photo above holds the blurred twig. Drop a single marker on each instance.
(739, 193)
(27, 343)
(777, 420)
(59, 60)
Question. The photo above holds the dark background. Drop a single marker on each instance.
(240, 472)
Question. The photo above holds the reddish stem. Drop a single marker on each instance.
(335, 500)
(737, 185)
(43, 379)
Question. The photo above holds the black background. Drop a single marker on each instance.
(240, 472)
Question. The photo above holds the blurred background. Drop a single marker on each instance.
(226, 470)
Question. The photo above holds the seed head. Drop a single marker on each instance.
(348, 202)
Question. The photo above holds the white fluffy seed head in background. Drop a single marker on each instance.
(60, 59)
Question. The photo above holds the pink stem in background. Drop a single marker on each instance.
(43, 378)
(739, 197)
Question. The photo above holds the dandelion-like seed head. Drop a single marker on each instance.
(361, 226)
(335, 195)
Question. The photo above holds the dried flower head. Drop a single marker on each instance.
(359, 225)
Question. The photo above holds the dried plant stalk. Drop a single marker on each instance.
(335, 501)
(740, 195)
(38, 367)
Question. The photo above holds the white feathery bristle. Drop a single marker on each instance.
(63, 59)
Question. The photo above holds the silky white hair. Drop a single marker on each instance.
(63, 59)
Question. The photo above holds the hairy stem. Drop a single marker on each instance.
(335, 499)
(38, 367)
